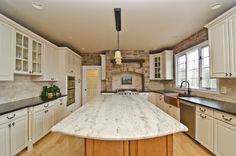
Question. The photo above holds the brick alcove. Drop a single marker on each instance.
(133, 66)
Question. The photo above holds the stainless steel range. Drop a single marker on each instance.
(127, 92)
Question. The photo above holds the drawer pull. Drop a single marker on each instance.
(226, 119)
(202, 116)
(46, 105)
(11, 117)
(46, 111)
(202, 110)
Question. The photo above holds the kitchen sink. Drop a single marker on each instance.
(173, 98)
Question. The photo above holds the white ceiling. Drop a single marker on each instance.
(89, 24)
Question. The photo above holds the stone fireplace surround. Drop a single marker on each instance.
(133, 67)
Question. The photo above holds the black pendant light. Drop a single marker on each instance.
(118, 29)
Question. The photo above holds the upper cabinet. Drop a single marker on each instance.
(222, 42)
(28, 55)
(161, 65)
(50, 64)
(7, 35)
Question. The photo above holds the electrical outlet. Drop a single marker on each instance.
(223, 90)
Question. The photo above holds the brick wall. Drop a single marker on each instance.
(191, 41)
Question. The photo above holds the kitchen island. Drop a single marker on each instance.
(122, 125)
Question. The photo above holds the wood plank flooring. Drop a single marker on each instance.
(55, 144)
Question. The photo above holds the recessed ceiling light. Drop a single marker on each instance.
(37, 5)
(216, 6)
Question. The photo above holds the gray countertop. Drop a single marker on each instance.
(223, 106)
(17, 105)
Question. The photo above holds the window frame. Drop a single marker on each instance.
(185, 52)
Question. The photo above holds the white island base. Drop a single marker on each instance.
(160, 146)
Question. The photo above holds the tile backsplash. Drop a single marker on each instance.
(21, 88)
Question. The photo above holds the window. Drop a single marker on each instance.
(193, 65)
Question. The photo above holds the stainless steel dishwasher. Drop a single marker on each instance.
(188, 117)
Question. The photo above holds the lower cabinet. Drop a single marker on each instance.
(224, 139)
(60, 109)
(5, 139)
(204, 130)
(13, 133)
(172, 111)
(43, 120)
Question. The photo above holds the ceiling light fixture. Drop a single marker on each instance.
(216, 6)
(118, 29)
(37, 5)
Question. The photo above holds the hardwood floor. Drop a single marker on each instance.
(55, 144)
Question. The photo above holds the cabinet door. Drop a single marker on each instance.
(158, 66)
(38, 129)
(48, 120)
(6, 52)
(175, 113)
(19, 134)
(232, 33)
(5, 139)
(59, 110)
(219, 49)
(152, 98)
(36, 59)
(22, 56)
(204, 130)
(55, 64)
(224, 139)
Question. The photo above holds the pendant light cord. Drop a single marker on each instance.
(118, 41)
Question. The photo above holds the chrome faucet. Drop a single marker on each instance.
(189, 90)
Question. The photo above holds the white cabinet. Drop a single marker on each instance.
(60, 109)
(28, 55)
(160, 101)
(43, 120)
(161, 65)
(172, 111)
(224, 139)
(78, 85)
(50, 68)
(13, 132)
(5, 139)
(103, 66)
(204, 130)
(7, 35)
(70, 62)
(222, 33)
(19, 134)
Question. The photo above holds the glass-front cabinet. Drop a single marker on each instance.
(28, 55)
(36, 57)
(157, 67)
(22, 53)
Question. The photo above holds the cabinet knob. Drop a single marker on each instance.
(9, 125)
(13, 124)
(45, 111)
(230, 74)
(226, 74)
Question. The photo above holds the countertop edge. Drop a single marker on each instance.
(30, 105)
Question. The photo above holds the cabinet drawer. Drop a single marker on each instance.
(205, 110)
(44, 106)
(228, 118)
(13, 115)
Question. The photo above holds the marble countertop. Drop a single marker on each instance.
(21, 104)
(119, 117)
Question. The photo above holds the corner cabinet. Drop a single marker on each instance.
(222, 42)
(161, 65)
(28, 55)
